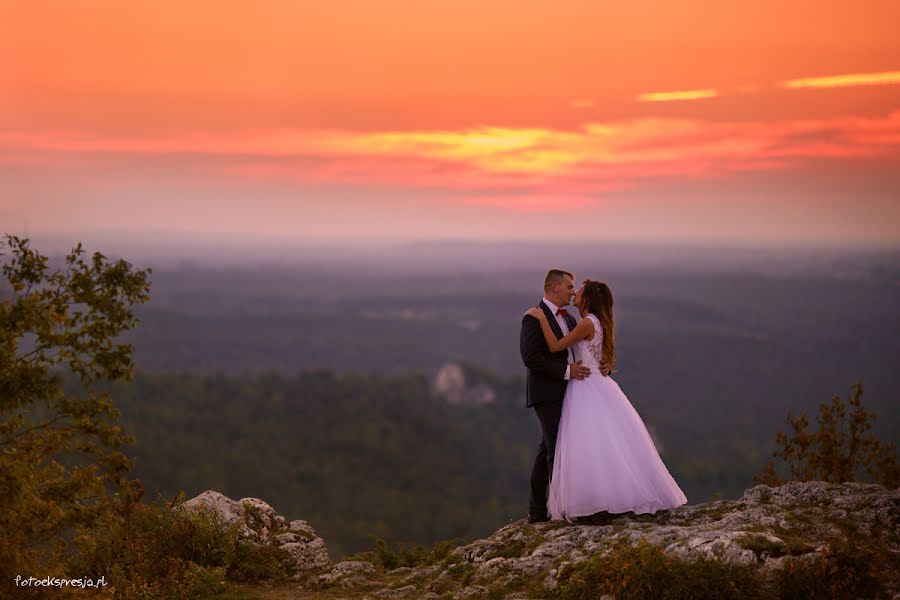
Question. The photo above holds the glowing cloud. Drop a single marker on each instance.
(676, 96)
(884, 78)
(523, 169)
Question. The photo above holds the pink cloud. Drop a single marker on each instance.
(520, 169)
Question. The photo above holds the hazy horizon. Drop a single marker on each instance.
(454, 267)
(174, 246)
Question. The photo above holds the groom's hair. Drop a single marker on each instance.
(555, 276)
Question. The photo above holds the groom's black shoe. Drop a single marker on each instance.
(538, 518)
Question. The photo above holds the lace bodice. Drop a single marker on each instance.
(589, 352)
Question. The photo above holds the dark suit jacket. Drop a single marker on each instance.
(545, 378)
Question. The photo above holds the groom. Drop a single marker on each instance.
(548, 374)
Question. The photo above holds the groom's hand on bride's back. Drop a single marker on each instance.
(605, 369)
(578, 371)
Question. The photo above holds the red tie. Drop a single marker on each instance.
(562, 312)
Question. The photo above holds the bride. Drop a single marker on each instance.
(605, 459)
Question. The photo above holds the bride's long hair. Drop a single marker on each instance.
(597, 299)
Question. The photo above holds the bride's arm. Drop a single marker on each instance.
(584, 328)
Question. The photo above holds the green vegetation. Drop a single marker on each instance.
(513, 549)
(67, 506)
(716, 510)
(794, 540)
(360, 457)
(153, 551)
(762, 546)
(61, 458)
(842, 571)
(388, 556)
(841, 450)
(644, 570)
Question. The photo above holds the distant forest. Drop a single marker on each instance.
(364, 456)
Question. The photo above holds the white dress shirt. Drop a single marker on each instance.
(565, 329)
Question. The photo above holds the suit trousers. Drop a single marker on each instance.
(548, 414)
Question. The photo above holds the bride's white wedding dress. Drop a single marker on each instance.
(605, 459)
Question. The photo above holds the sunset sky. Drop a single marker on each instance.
(748, 121)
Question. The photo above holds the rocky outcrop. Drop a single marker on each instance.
(766, 533)
(257, 522)
(450, 384)
(763, 530)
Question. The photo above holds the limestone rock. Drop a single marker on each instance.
(229, 510)
(259, 523)
(450, 383)
(407, 591)
(764, 531)
(349, 574)
(471, 592)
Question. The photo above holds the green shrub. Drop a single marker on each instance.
(513, 549)
(387, 556)
(844, 571)
(644, 570)
(153, 551)
(842, 449)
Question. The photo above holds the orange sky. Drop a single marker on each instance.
(758, 121)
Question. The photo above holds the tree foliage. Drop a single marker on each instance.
(841, 450)
(60, 453)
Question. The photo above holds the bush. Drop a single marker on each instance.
(163, 551)
(387, 556)
(841, 450)
(844, 571)
(644, 570)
